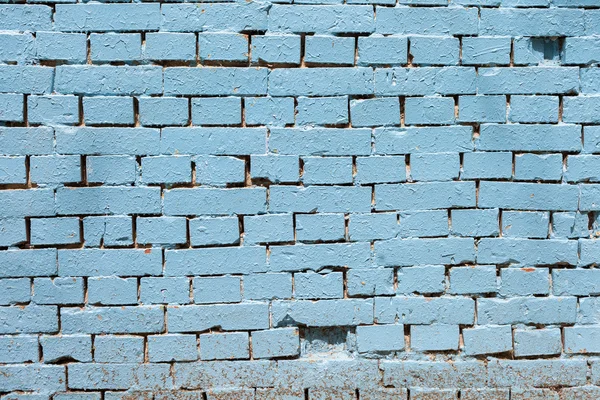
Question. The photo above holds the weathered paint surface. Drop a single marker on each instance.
(315, 199)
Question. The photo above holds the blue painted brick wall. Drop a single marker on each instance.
(310, 199)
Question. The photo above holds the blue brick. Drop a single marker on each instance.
(529, 80)
(104, 262)
(21, 17)
(234, 17)
(431, 50)
(211, 231)
(216, 141)
(311, 285)
(12, 231)
(217, 111)
(112, 290)
(25, 79)
(581, 340)
(429, 111)
(55, 230)
(222, 46)
(588, 198)
(534, 51)
(58, 291)
(434, 337)
(588, 249)
(419, 196)
(581, 109)
(321, 81)
(110, 230)
(581, 50)
(19, 47)
(111, 169)
(425, 81)
(528, 196)
(119, 319)
(244, 316)
(316, 256)
(482, 109)
(215, 81)
(97, 376)
(375, 112)
(108, 80)
(15, 291)
(569, 225)
(11, 107)
(591, 22)
(275, 168)
(216, 261)
(575, 282)
(268, 286)
(336, 312)
(380, 338)
(71, 47)
(222, 289)
(18, 349)
(12, 170)
(389, 169)
(322, 110)
(116, 46)
(423, 140)
(218, 171)
(214, 201)
(320, 49)
(108, 200)
(475, 222)
(170, 46)
(526, 251)
(22, 263)
(167, 169)
(525, 224)
(53, 110)
(419, 310)
(533, 109)
(58, 348)
(277, 111)
(524, 281)
(424, 251)
(30, 319)
(370, 282)
(319, 199)
(224, 346)
(590, 80)
(321, 19)
(108, 110)
(473, 279)
(488, 340)
(484, 50)
(517, 22)
(274, 343)
(119, 349)
(159, 290)
(487, 165)
(423, 280)
(320, 141)
(161, 230)
(382, 50)
(320, 227)
(591, 139)
(538, 166)
(26, 141)
(166, 348)
(427, 21)
(107, 17)
(537, 342)
(21, 203)
(162, 111)
(268, 228)
(434, 166)
(101, 141)
(423, 223)
(327, 170)
(276, 49)
(546, 311)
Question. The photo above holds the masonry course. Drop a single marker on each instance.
(316, 199)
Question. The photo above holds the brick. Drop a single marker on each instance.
(19, 47)
(530, 166)
(382, 50)
(108, 80)
(217, 111)
(55, 230)
(537, 342)
(473, 279)
(21, 17)
(312, 285)
(421, 310)
(327, 170)
(426, 21)
(112, 290)
(323, 313)
(482, 109)
(109, 230)
(165, 290)
(219, 346)
(221, 46)
(534, 109)
(15, 291)
(486, 50)
(496, 250)
(215, 81)
(431, 50)
(213, 141)
(243, 316)
(275, 111)
(101, 141)
(375, 112)
(524, 281)
(116, 46)
(29, 319)
(536, 373)
(12, 170)
(487, 165)
(19, 349)
(425, 81)
(321, 49)
(526, 310)
(487, 340)
(321, 19)
(64, 347)
(166, 348)
(163, 111)
(322, 110)
(529, 80)
(321, 81)
(28, 263)
(418, 196)
(380, 338)
(525, 224)
(53, 110)
(67, 291)
(233, 17)
(26, 79)
(375, 169)
(118, 376)
(447, 166)
(103, 110)
(119, 349)
(556, 22)
(423, 280)
(33, 376)
(225, 289)
(569, 225)
(284, 342)
(434, 337)
(105, 17)
(276, 49)
(217, 261)
(528, 196)
(369, 282)
(316, 256)
(161, 230)
(120, 319)
(170, 46)
(214, 230)
(11, 107)
(71, 47)
(104, 262)
(320, 227)
(107, 200)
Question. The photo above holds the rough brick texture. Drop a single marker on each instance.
(308, 199)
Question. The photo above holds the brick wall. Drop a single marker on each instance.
(374, 199)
